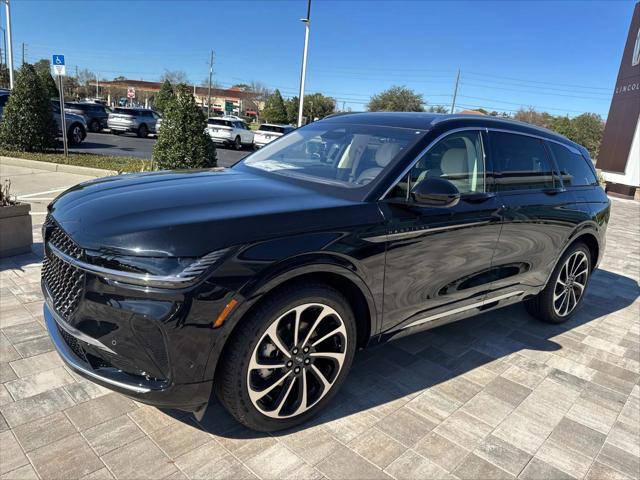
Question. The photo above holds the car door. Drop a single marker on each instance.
(439, 260)
(537, 211)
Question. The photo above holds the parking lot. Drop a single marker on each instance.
(499, 395)
(132, 146)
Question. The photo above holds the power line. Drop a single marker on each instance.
(537, 81)
(537, 93)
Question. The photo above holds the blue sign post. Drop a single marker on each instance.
(59, 68)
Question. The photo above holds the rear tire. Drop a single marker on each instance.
(76, 134)
(237, 143)
(143, 131)
(295, 390)
(94, 126)
(564, 292)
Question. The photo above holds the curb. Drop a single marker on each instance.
(56, 167)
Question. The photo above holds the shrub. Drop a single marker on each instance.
(182, 141)
(28, 123)
(164, 97)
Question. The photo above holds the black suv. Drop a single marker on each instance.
(260, 282)
(95, 114)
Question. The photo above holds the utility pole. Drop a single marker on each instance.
(455, 92)
(303, 74)
(23, 51)
(9, 52)
(97, 86)
(4, 41)
(209, 93)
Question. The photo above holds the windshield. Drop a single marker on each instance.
(346, 155)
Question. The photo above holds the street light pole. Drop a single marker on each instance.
(303, 74)
(209, 93)
(9, 52)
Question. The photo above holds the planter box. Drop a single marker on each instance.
(16, 235)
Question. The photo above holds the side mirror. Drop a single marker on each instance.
(435, 192)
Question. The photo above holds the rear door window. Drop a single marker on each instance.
(573, 167)
(521, 162)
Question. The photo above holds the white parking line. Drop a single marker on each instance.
(55, 190)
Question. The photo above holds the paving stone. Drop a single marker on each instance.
(11, 455)
(564, 458)
(85, 390)
(34, 347)
(503, 454)
(150, 419)
(405, 426)
(464, 429)
(38, 406)
(441, 451)
(69, 457)
(139, 456)
(275, 462)
(36, 364)
(14, 315)
(377, 447)
(488, 408)
(5, 396)
(102, 474)
(314, 444)
(620, 460)
(38, 383)
(26, 472)
(523, 432)
(600, 471)
(626, 437)
(204, 461)
(539, 470)
(44, 431)
(474, 467)
(24, 332)
(507, 391)
(112, 434)
(99, 410)
(179, 438)
(411, 466)
(6, 372)
(578, 438)
(7, 351)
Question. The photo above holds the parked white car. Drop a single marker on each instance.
(230, 132)
(268, 132)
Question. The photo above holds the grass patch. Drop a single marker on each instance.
(106, 162)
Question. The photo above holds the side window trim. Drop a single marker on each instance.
(424, 151)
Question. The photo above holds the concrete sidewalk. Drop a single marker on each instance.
(499, 395)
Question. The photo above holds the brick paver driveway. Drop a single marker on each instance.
(495, 396)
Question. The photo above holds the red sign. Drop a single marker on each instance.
(131, 92)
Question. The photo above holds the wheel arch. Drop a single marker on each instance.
(588, 235)
(348, 283)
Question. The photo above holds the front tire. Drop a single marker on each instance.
(289, 358)
(562, 296)
(237, 143)
(75, 135)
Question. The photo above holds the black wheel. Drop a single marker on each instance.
(237, 143)
(115, 132)
(94, 126)
(75, 135)
(143, 131)
(289, 358)
(562, 296)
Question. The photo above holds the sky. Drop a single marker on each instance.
(557, 56)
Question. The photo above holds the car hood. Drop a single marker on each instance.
(191, 213)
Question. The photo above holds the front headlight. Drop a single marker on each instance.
(161, 272)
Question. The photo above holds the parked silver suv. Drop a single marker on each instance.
(76, 125)
(140, 121)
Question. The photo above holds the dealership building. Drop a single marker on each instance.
(619, 155)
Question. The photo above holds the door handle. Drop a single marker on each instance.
(478, 197)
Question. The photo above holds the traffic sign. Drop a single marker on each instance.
(131, 92)
(58, 65)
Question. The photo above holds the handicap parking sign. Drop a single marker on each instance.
(58, 64)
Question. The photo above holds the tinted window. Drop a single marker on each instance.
(457, 158)
(573, 167)
(520, 162)
(214, 121)
(271, 128)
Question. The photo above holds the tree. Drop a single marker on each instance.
(28, 123)
(316, 106)
(396, 99)
(274, 109)
(530, 115)
(588, 131)
(563, 126)
(119, 78)
(175, 77)
(182, 141)
(438, 109)
(43, 69)
(164, 96)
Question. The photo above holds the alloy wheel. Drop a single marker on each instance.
(571, 283)
(76, 135)
(297, 360)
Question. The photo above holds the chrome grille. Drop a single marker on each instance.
(64, 282)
